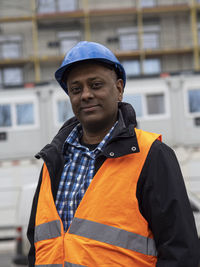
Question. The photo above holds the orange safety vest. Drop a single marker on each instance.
(108, 228)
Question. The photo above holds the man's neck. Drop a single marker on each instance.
(93, 138)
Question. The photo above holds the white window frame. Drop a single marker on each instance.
(143, 89)
(13, 101)
(186, 101)
(55, 98)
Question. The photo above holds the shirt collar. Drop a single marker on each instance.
(76, 134)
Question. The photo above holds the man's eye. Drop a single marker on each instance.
(75, 90)
(97, 85)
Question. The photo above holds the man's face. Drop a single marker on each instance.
(94, 91)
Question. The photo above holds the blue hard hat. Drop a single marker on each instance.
(84, 51)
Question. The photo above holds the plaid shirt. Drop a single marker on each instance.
(77, 174)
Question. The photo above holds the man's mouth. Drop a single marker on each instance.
(89, 108)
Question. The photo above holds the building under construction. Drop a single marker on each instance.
(150, 37)
(157, 41)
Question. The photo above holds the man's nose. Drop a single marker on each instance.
(87, 93)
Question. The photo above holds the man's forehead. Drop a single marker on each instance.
(87, 64)
(89, 68)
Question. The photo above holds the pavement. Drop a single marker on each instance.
(6, 253)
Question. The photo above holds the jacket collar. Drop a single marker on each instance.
(123, 139)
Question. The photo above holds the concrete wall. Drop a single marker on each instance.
(19, 8)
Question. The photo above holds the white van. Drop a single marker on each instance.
(195, 205)
(22, 219)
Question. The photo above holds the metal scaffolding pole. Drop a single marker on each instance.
(35, 43)
(86, 20)
(140, 35)
(193, 15)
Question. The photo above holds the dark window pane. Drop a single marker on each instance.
(5, 115)
(155, 104)
(25, 114)
(194, 100)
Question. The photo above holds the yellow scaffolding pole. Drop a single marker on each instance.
(140, 35)
(193, 15)
(35, 43)
(86, 21)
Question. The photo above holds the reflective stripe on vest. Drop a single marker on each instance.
(68, 264)
(113, 236)
(49, 265)
(47, 231)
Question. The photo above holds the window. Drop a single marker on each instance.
(67, 5)
(25, 114)
(194, 100)
(136, 101)
(50, 6)
(5, 115)
(151, 66)
(132, 68)
(155, 104)
(11, 50)
(151, 33)
(46, 6)
(10, 46)
(128, 42)
(68, 40)
(147, 3)
(128, 39)
(18, 113)
(64, 111)
(150, 40)
(147, 105)
(12, 76)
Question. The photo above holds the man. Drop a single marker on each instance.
(109, 194)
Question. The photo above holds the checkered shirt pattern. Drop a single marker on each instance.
(77, 174)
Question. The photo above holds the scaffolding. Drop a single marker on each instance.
(87, 14)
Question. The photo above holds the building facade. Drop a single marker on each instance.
(150, 37)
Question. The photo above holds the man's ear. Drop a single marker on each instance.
(120, 88)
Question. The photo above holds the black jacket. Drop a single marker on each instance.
(160, 192)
